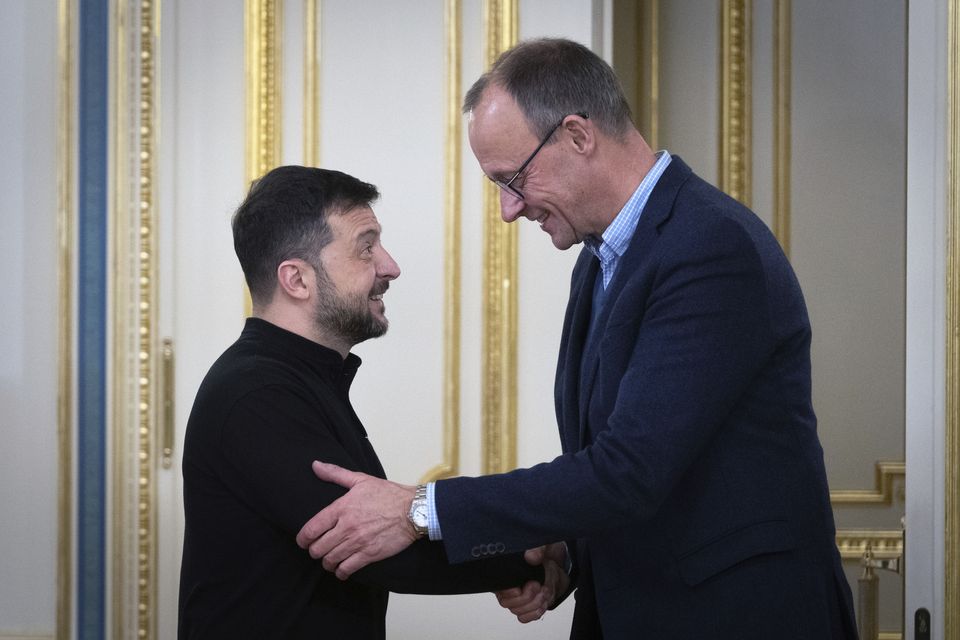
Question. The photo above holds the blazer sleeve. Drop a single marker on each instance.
(265, 450)
(692, 342)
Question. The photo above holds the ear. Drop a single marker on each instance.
(295, 278)
(582, 135)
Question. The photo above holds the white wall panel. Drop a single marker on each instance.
(28, 322)
(382, 121)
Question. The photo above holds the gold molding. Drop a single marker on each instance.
(952, 426)
(884, 544)
(884, 475)
(782, 86)
(261, 57)
(647, 96)
(147, 327)
(736, 127)
(311, 82)
(262, 30)
(120, 303)
(451, 257)
(499, 448)
(134, 378)
(66, 238)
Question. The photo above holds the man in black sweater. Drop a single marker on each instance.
(277, 399)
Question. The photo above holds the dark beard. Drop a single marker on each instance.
(347, 317)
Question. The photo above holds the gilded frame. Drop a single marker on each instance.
(450, 465)
(262, 86)
(499, 419)
(736, 120)
(782, 86)
(262, 33)
(313, 11)
(952, 413)
(647, 93)
(135, 379)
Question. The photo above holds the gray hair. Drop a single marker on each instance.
(551, 78)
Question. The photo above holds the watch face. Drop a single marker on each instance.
(419, 515)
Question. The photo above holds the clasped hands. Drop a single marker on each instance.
(370, 523)
(532, 600)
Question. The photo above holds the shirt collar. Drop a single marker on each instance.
(616, 237)
(322, 359)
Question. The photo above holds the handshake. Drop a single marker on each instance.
(369, 523)
(532, 600)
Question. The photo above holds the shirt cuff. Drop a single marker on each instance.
(433, 522)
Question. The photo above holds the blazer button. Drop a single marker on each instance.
(475, 552)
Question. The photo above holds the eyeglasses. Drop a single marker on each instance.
(506, 186)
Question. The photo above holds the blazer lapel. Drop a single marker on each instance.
(576, 324)
(655, 213)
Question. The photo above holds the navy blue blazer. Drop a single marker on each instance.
(691, 488)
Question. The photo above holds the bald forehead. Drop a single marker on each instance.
(496, 109)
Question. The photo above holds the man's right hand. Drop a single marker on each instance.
(367, 524)
(532, 600)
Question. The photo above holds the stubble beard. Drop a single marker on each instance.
(348, 317)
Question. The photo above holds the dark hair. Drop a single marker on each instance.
(284, 216)
(551, 78)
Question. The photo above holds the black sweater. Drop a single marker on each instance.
(270, 405)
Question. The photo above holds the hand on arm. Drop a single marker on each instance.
(367, 524)
(532, 600)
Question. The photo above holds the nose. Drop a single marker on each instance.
(510, 206)
(387, 267)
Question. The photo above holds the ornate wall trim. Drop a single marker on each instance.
(499, 448)
(736, 126)
(885, 473)
(261, 57)
(262, 33)
(952, 426)
(66, 239)
(647, 92)
(884, 544)
(135, 375)
(451, 256)
(313, 10)
(123, 419)
(147, 325)
(782, 86)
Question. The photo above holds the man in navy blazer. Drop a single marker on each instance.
(691, 492)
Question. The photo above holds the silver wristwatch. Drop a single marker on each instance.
(418, 511)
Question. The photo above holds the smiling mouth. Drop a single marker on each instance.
(379, 290)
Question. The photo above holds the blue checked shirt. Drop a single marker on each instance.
(608, 249)
(616, 239)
